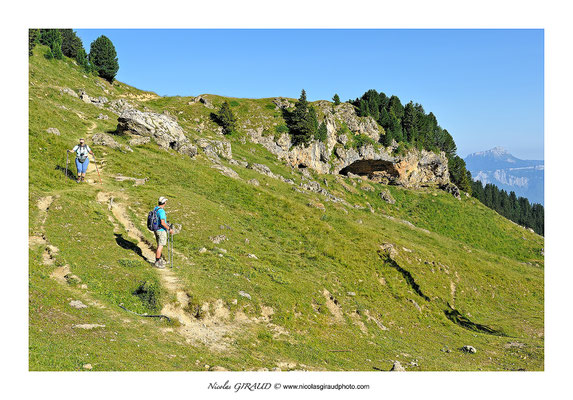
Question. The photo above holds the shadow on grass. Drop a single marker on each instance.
(126, 244)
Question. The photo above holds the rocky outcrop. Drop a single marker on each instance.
(202, 100)
(216, 148)
(162, 128)
(103, 139)
(415, 169)
(452, 189)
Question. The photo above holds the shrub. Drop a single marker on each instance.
(148, 293)
(225, 118)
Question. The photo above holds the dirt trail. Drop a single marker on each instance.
(214, 325)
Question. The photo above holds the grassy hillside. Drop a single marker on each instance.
(324, 295)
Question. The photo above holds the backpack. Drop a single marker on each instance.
(153, 221)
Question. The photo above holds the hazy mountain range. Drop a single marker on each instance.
(498, 166)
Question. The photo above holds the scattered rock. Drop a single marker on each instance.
(239, 163)
(202, 250)
(245, 294)
(87, 366)
(69, 91)
(202, 100)
(254, 182)
(226, 171)
(351, 294)
(452, 189)
(103, 139)
(139, 141)
(137, 181)
(77, 304)
(387, 197)
(54, 131)
(252, 256)
(389, 249)
(218, 239)
(397, 367)
(88, 326)
(214, 149)
(102, 116)
(282, 103)
(320, 206)
(469, 349)
(217, 368)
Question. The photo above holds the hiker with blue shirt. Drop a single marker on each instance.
(161, 233)
(82, 160)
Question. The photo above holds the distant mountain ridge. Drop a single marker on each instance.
(498, 166)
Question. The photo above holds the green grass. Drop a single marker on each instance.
(495, 265)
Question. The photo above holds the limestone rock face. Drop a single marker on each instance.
(215, 148)
(162, 128)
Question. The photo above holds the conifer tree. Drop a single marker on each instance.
(103, 57)
(302, 121)
(336, 99)
(226, 118)
(71, 43)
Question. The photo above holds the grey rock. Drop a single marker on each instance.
(139, 141)
(452, 189)
(245, 294)
(387, 197)
(469, 349)
(69, 91)
(77, 304)
(102, 116)
(218, 239)
(103, 139)
(215, 148)
(163, 129)
(397, 367)
(226, 171)
(253, 182)
(54, 131)
(202, 250)
(188, 150)
(252, 256)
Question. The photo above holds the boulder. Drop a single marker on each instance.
(387, 197)
(469, 349)
(103, 139)
(214, 149)
(397, 367)
(202, 100)
(163, 129)
(452, 189)
(69, 92)
(218, 239)
(226, 171)
(282, 103)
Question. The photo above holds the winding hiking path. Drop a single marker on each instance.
(212, 329)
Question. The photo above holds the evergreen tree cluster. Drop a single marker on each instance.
(102, 58)
(410, 124)
(516, 209)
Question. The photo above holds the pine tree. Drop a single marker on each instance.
(71, 43)
(226, 118)
(409, 122)
(336, 99)
(322, 133)
(82, 60)
(53, 39)
(104, 58)
(302, 121)
(33, 40)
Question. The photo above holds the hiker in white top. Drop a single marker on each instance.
(82, 160)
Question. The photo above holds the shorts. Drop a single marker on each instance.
(82, 166)
(161, 237)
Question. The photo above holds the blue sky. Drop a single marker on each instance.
(485, 86)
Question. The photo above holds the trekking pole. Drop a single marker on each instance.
(95, 162)
(67, 158)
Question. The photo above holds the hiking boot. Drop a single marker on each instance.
(159, 264)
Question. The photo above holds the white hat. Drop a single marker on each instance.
(162, 200)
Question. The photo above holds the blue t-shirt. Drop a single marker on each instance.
(161, 215)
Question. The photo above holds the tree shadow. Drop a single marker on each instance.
(127, 245)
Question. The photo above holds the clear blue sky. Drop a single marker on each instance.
(484, 86)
